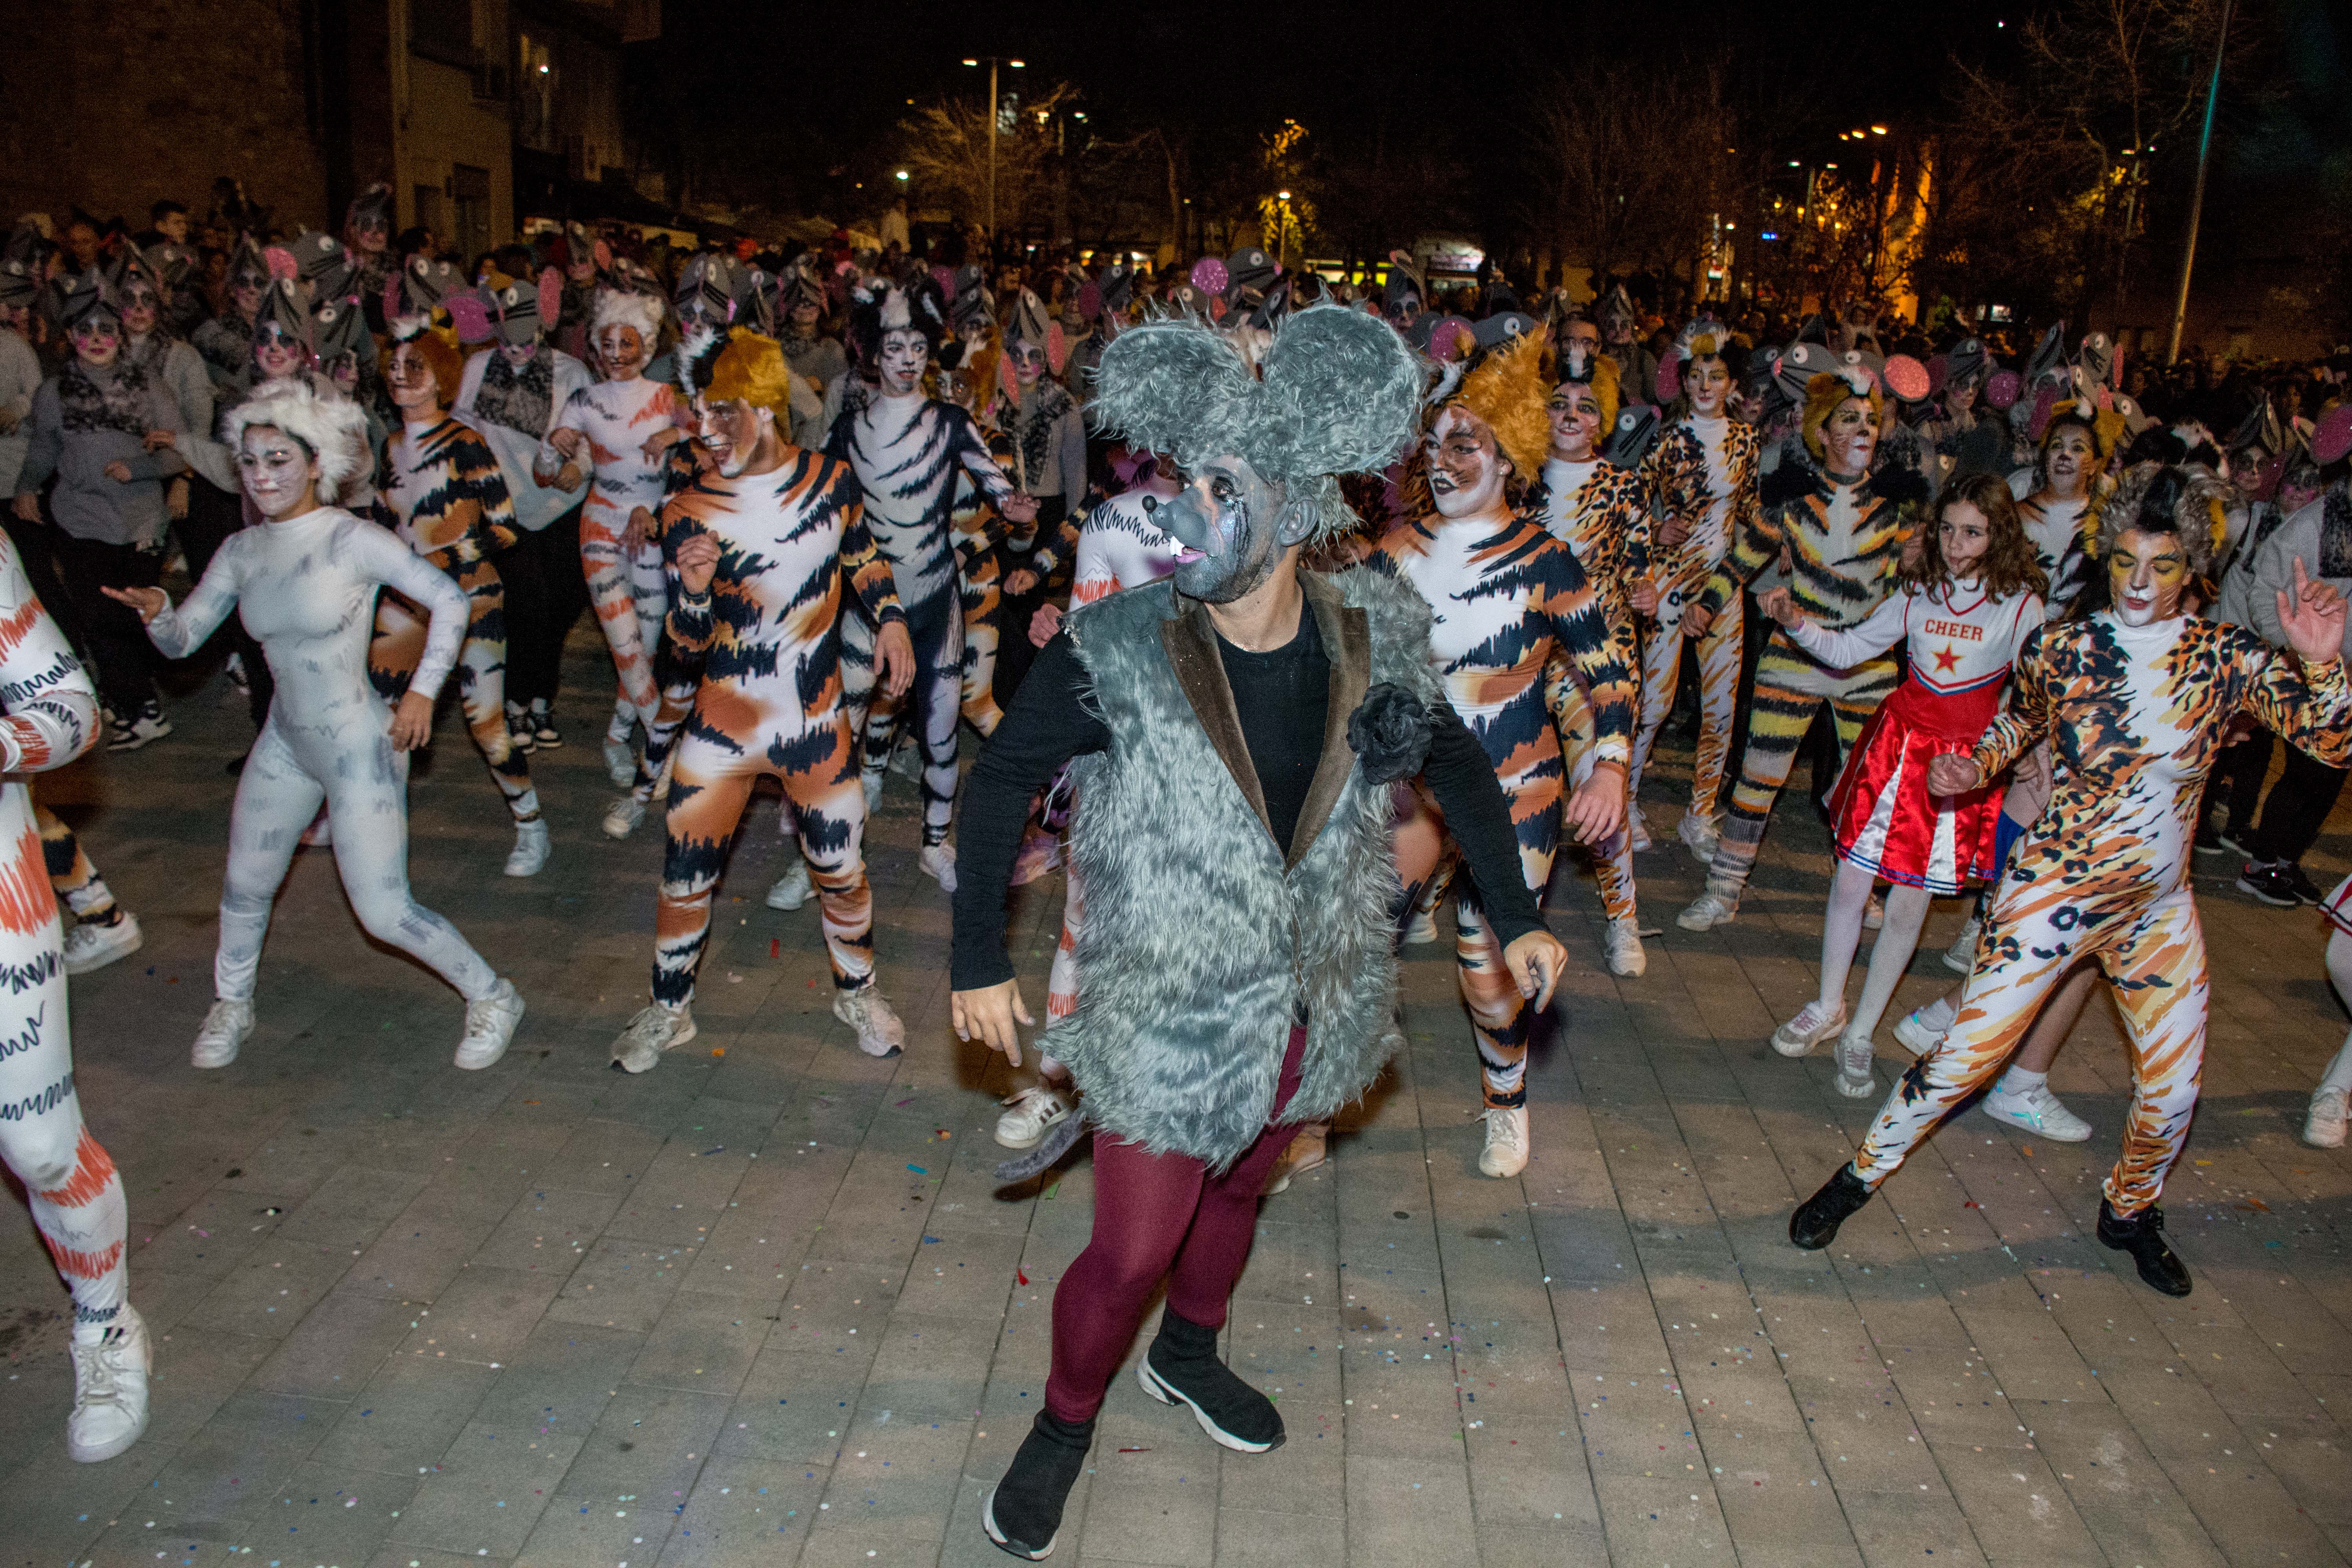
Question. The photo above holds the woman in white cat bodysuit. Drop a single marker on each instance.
(304, 581)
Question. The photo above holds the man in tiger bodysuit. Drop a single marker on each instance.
(1702, 476)
(2134, 700)
(1511, 611)
(1599, 512)
(442, 492)
(1841, 529)
(760, 549)
(905, 451)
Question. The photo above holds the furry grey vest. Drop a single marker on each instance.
(1203, 938)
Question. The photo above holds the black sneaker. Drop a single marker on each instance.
(2209, 842)
(1022, 1515)
(2142, 1236)
(2238, 840)
(2270, 884)
(1182, 1365)
(1815, 1224)
(520, 728)
(544, 730)
(2306, 891)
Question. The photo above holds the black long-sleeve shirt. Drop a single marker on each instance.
(1281, 697)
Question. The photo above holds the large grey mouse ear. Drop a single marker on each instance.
(1174, 385)
(1354, 386)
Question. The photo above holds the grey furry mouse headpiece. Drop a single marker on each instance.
(1335, 391)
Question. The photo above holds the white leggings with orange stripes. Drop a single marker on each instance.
(74, 1194)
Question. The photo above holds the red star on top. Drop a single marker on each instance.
(1947, 660)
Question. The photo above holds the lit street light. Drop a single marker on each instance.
(993, 114)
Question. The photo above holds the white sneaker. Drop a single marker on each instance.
(661, 780)
(1309, 1150)
(873, 788)
(937, 862)
(879, 1032)
(1625, 943)
(490, 1025)
(1421, 930)
(530, 852)
(2037, 1110)
(1961, 956)
(1506, 1154)
(1699, 835)
(1640, 826)
(1854, 1076)
(1707, 911)
(620, 762)
(793, 888)
(1029, 1113)
(1873, 913)
(225, 1029)
(1812, 1026)
(655, 1028)
(1922, 1029)
(110, 1407)
(90, 947)
(621, 818)
(2323, 1128)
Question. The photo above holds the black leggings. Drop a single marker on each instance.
(2296, 809)
(546, 590)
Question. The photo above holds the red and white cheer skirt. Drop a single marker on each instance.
(1881, 815)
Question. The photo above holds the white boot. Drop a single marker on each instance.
(110, 1407)
(1624, 941)
(937, 862)
(530, 852)
(490, 1025)
(620, 762)
(224, 1030)
(879, 1032)
(792, 889)
(1505, 1153)
(655, 1028)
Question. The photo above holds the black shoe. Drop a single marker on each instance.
(2209, 842)
(1815, 1224)
(2237, 840)
(2270, 884)
(2306, 891)
(1024, 1514)
(1182, 1364)
(2142, 1236)
(520, 728)
(544, 733)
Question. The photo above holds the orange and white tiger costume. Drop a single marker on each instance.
(2134, 717)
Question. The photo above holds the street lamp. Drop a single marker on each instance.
(993, 62)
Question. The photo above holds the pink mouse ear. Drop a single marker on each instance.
(946, 280)
(603, 255)
(1005, 383)
(1670, 378)
(1058, 347)
(470, 316)
(281, 262)
(1208, 276)
(1907, 378)
(551, 295)
(392, 300)
(2002, 389)
(1441, 340)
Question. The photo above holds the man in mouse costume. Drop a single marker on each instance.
(1234, 730)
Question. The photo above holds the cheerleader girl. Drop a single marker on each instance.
(1963, 610)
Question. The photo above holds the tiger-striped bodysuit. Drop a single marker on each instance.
(441, 491)
(2055, 527)
(907, 454)
(625, 587)
(72, 877)
(1600, 513)
(1845, 545)
(2134, 717)
(1118, 547)
(1510, 611)
(48, 716)
(1703, 472)
(768, 703)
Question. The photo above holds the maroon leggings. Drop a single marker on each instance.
(1157, 1215)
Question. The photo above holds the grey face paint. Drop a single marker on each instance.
(275, 469)
(1234, 527)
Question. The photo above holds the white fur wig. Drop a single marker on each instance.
(619, 308)
(314, 413)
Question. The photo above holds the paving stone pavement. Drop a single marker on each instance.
(766, 1305)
